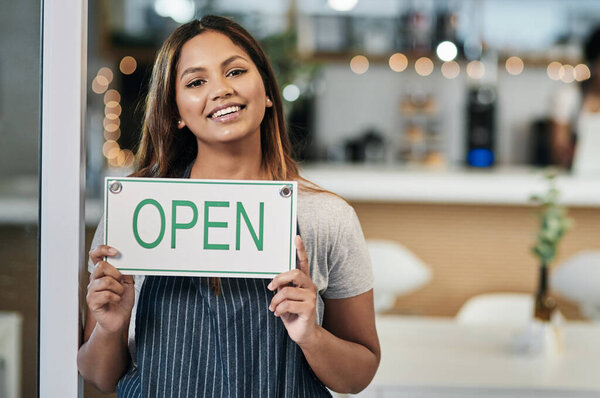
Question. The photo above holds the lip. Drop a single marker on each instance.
(225, 106)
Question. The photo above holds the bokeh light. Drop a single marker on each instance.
(582, 72)
(110, 149)
(111, 125)
(128, 65)
(127, 158)
(107, 73)
(112, 95)
(475, 69)
(424, 66)
(446, 51)
(553, 70)
(567, 73)
(342, 5)
(99, 84)
(514, 65)
(113, 109)
(450, 70)
(359, 64)
(398, 62)
(291, 92)
(112, 135)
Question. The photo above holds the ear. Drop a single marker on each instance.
(180, 124)
(268, 103)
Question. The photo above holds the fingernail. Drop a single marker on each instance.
(270, 286)
(112, 250)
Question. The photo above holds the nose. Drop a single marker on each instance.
(221, 89)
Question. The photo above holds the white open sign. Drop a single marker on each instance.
(225, 228)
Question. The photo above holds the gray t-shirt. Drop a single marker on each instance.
(339, 261)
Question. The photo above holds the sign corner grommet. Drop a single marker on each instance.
(115, 186)
(286, 191)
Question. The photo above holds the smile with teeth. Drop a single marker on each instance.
(226, 111)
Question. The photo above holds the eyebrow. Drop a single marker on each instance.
(195, 69)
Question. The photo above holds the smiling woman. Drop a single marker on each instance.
(220, 94)
(214, 111)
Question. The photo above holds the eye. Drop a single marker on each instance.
(195, 83)
(237, 72)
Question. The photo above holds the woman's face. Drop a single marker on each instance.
(219, 92)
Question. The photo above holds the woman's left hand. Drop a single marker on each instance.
(296, 304)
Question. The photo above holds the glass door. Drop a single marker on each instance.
(19, 159)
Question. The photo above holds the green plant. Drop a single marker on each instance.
(554, 222)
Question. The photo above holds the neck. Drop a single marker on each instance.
(229, 161)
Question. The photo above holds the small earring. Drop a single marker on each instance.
(178, 122)
(268, 100)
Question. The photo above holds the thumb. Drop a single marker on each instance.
(127, 279)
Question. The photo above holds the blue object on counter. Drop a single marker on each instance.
(480, 157)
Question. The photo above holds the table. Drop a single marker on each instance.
(439, 357)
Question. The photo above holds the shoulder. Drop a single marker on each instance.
(327, 221)
(323, 206)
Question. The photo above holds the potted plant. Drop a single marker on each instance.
(554, 223)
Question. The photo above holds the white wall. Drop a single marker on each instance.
(349, 103)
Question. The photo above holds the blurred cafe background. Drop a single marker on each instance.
(436, 119)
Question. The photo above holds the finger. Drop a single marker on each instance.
(106, 283)
(294, 294)
(295, 277)
(128, 279)
(301, 257)
(100, 299)
(99, 252)
(300, 308)
(103, 268)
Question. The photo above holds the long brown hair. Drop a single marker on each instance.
(165, 151)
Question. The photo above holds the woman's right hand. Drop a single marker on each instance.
(110, 294)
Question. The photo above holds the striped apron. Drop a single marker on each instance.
(193, 343)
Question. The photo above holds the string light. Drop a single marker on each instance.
(112, 135)
(424, 66)
(107, 73)
(582, 72)
(114, 109)
(111, 125)
(475, 69)
(398, 62)
(450, 70)
(112, 95)
(567, 73)
(446, 51)
(553, 70)
(359, 64)
(99, 84)
(128, 158)
(127, 65)
(514, 65)
(110, 149)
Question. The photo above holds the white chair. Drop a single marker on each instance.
(396, 271)
(506, 308)
(578, 279)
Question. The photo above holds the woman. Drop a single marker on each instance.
(214, 111)
(575, 117)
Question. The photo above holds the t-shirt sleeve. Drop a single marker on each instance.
(96, 241)
(350, 272)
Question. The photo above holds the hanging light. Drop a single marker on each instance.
(446, 51)
(342, 5)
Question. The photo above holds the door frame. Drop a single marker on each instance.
(62, 193)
